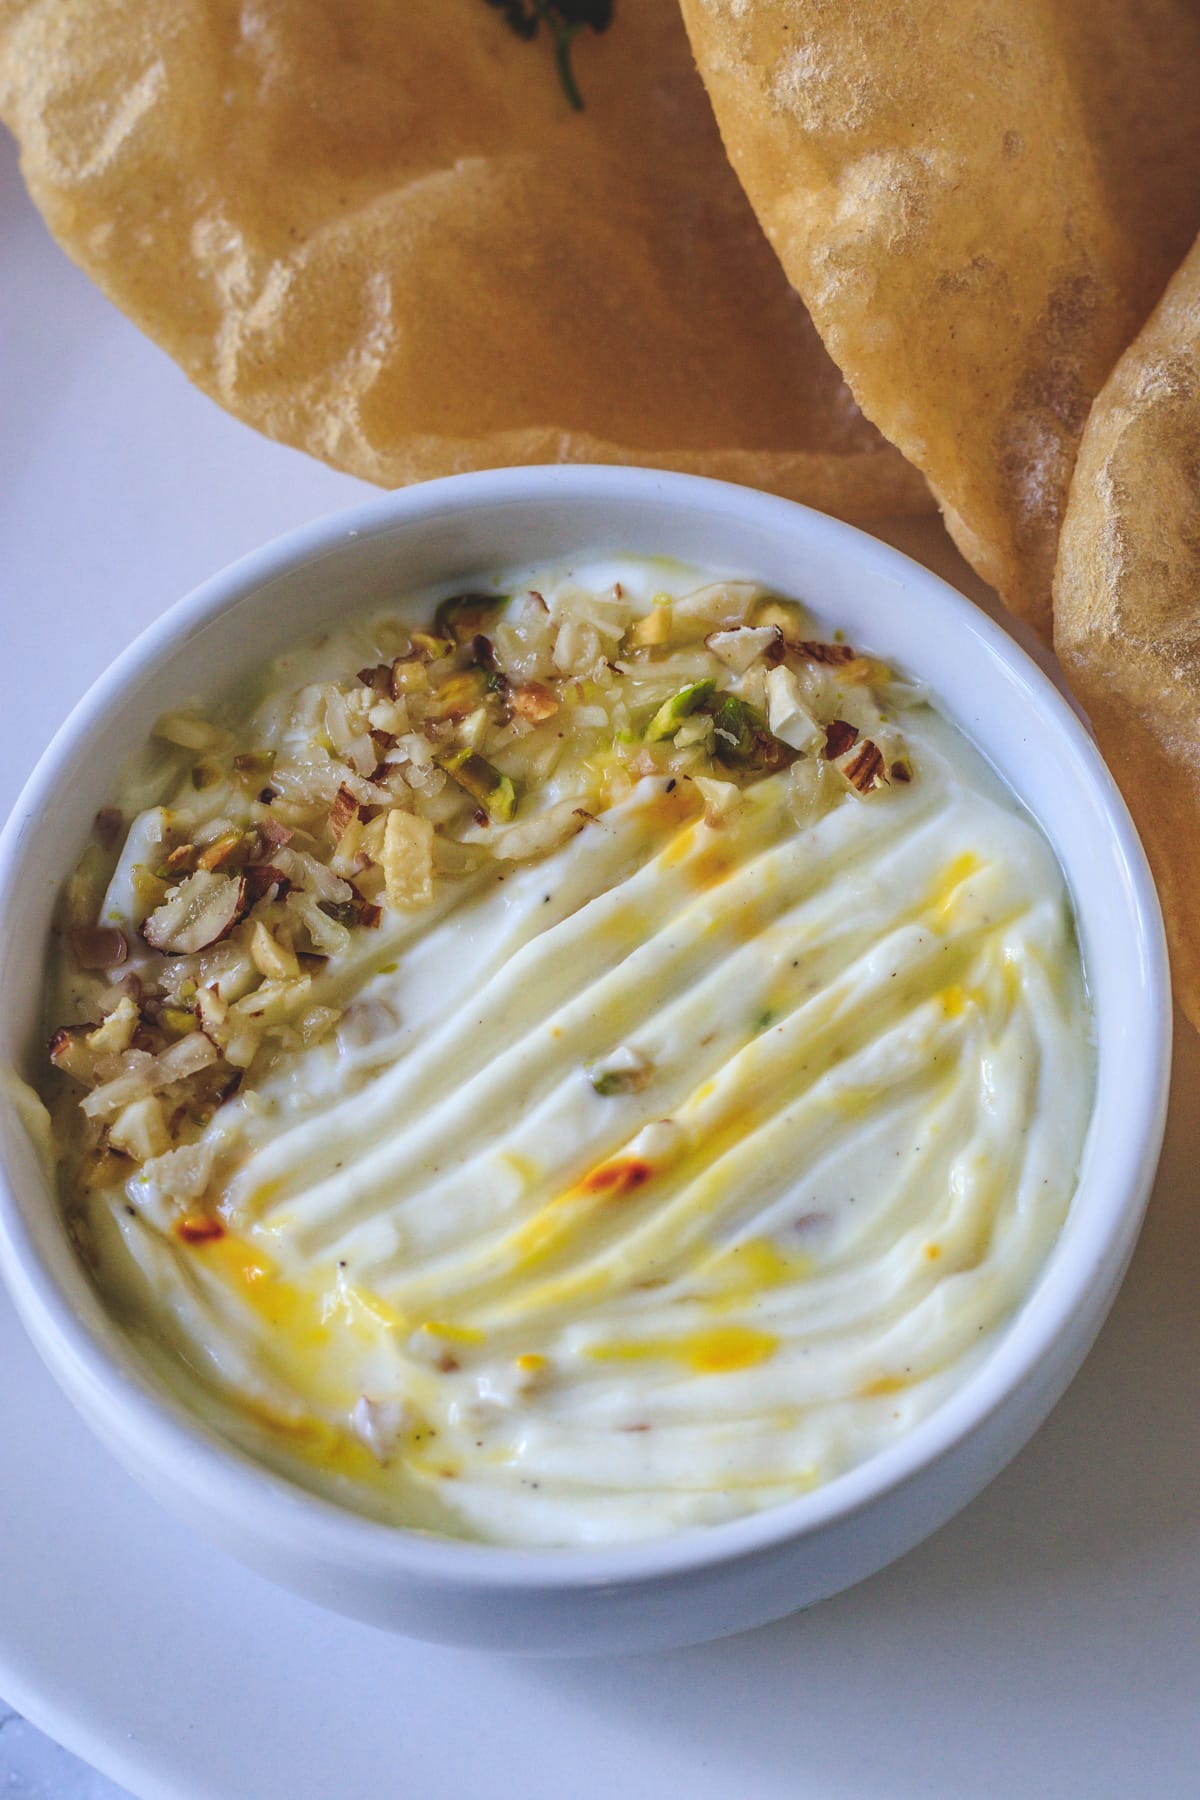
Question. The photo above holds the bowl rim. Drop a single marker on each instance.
(191, 1457)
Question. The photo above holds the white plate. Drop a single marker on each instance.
(1046, 1643)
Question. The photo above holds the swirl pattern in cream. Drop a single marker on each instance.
(655, 1182)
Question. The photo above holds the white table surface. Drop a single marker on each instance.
(1046, 1643)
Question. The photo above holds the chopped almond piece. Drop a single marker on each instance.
(212, 1012)
(273, 1001)
(787, 617)
(654, 629)
(69, 1052)
(140, 1129)
(533, 701)
(186, 1056)
(865, 770)
(116, 1032)
(261, 878)
(743, 645)
(274, 833)
(341, 813)
(720, 798)
(372, 838)
(408, 676)
(242, 1038)
(271, 958)
(349, 857)
(197, 913)
(840, 736)
(720, 604)
(830, 654)
(787, 714)
(408, 859)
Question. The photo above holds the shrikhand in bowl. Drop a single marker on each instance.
(568, 1060)
(583, 1018)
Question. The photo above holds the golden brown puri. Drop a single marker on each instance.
(1127, 599)
(380, 233)
(979, 201)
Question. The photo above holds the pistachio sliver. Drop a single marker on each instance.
(626, 1071)
(742, 738)
(463, 616)
(461, 694)
(494, 791)
(673, 712)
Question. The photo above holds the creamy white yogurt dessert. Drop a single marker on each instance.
(603, 1061)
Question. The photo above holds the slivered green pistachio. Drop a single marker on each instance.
(461, 694)
(673, 712)
(429, 648)
(742, 739)
(464, 616)
(494, 791)
(205, 774)
(617, 1081)
(625, 1071)
(254, 762)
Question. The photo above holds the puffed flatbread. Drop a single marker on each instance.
(380, 233)
(1127, 599)
(979, 201)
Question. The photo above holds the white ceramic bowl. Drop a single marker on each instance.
(698, 1584)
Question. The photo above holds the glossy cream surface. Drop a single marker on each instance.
(461, 1286)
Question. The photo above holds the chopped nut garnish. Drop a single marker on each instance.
(150, 1074)
(389, 780)
(117, 1031)
(140, 1129)
(270, 957)
(744, 645)
(341, 813)
(408, 860)
(274, 833)
(840, 736)
(227, 848)
(408, 676)
(626, 1071)
(264, 878)
(484, 783)
(865, 769)
(430, 648)
(533, 701)
(69, 1052)
(831, 654)
(787, 714)
(197, 913)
